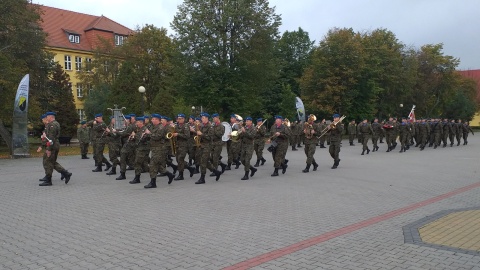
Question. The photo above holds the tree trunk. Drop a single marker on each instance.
(7, 137)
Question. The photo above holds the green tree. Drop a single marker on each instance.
(227, 51)
(462, 104)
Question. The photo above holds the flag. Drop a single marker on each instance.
(300, 109)
(20, 121)
(411, 115)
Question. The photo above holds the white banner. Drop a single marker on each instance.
(300, 109)
(20, 121)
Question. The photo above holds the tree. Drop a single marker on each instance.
(227, 51)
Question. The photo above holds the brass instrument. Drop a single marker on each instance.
(307, 127)
(173, 142)
(234, 136)
(286, 122)
(258, 127)
(331, 126)
(197, 137)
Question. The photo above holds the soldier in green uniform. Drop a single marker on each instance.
(233, 148)
(83, 136)
(365, 129)
(217, 143)
(294, 137)
(198, 152)
(437, 132)
(447, 129)
(311, 130)
(114, 142)
(352, 131)
(300, 135)
(377, 129)
(100, 129)
(247, 135)
(52, 147)
(323, 126)
(132, 151)
(335, 131)
(390, 133)
(403, 130)
(359, 134)
(181, 135)
(191, 141)
(142, 151)
(159, 148)
(259, 143)
(466, 128)
(128, 140)
(206, 134)
(459, 133)
(280, 134)
(453, 128)
(423, 130)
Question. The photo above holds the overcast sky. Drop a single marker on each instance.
(415, 22)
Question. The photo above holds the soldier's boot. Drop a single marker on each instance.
(351, 143)
(335, 164)
(109, 165)
(113, 171)
(152, 184)
(275, 172)
(322, 145)
(47, 182)
(174, 167)
(45, 178)
(217, 174)
(191, 170)
(121, 177)
(179, 177)
(229, 167)
(190, 162)
(315, 165)
(237, 164)
(252, 171)
(245, 177)
(435, 147)
(444, 145)
(388, 150)
(307, 169)
(223, 166)
(66, 175)
(257, 163)
(170, 177)
(401, 150)
(135, 180)
(130, 168)
(196, 169)
(212, 174)
(285, 161)
(451, 144)
(363, 152)
(98, 169)
(376, 147)
(161, 174)
(381, 141)
(284, 168)
(299, 145)
(293, 148)
(368, 151)
(422, 147)
(458, 143)
(263, 161)
(407, 147)
(201, 180)
(86, 157)
(416, 145)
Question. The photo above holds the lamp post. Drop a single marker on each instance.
(141, 90)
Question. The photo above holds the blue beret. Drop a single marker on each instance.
(127, 116)
(278, 117)
(168, 118)
(133, 115)
(259, 120)
(156, 115)
(50, 113)
(181, 115)
(163, 117)
(205, 114)
(43, 116)
(83, 122)
(198, 118)
(140, 119)
(248, 118)
(233, 115)
(336, 115)
(146, 116)
(215, 115)
(192, 117)
(98, 115)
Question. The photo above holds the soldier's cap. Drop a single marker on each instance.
(233, 116)
(163, 117)
(278, 117)
(168, 118)
(215, 115)
(98, 115)
(248, 118)
(43, 116)
(146, 116)
(133, 115)
(180, 115)
(50, 113)
(192, 117)
(83, 122)
(205, 115)
(403, 118)
(140, 119)
(336, 115)
(156, 115)
(127, 116)
(198, 118)
(259, 120)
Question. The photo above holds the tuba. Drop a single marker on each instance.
(234, 136)
(173, 143)
(286, 122)
(309, 127)
(197, 137)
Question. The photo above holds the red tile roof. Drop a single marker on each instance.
(475, 75)
(57, 23)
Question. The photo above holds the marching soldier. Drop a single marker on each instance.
(447, 130)
(323, 126)
(83, 135)
(142, 151)
(403, 130)
(376, 131)
(52, 147)
(100, 129)
(293, 139)
(206, 133)
(389, 133)
(423, 130)
(217, 143)
(247, 135)
(182, 136)
(336, 130)
(191, 141)
(198, 152)
(128, 140)
(159, 148)
(114, 144)
(438, 132)
(233, 148)
(365, 130)
(280, 144)
(352, 130)
(466, 128)
(259, 143)
(359, 134)
(453, 132)
(311, 130)
(459, 131)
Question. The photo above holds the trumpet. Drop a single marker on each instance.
(197, 137)
(331, 126)
(173, 143)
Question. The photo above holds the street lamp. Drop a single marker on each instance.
(141, 90)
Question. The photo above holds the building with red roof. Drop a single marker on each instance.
(475, 75)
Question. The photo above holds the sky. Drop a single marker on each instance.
(414, 22)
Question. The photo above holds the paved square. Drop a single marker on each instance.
(96, 222)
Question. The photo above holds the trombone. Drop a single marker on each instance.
(331, 126)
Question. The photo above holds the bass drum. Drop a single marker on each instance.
(228, 131)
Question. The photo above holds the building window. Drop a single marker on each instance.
(68, 62)
(81, 114)
(119, 40)
(88, 64)
(79, 90)
(90, 89)
(74, 38)
(78, 63)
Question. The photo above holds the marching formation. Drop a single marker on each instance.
(149, 144)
